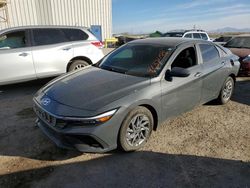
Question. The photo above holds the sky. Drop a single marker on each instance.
(144, 16)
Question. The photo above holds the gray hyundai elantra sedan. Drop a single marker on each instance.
(120, 100)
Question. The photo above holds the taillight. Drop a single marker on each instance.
(98, 44)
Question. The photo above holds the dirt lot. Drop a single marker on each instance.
(207, 147)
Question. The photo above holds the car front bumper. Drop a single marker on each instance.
(94, 138)
(84, 142)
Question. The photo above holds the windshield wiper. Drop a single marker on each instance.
(140, 74)
(113, 69)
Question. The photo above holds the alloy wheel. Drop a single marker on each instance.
(138, 130)
(79, 66)
(227, 90)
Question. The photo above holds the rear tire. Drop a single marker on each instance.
(77, 64)
(226, 91)
(136, 129)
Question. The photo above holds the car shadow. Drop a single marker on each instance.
(138, 169)
(18, 134)
(30, 142)
(242, 91)
(21, 89)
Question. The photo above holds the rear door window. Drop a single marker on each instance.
(48, 36)
(75, 34)
(196, 35)
(209, 53)
(13, 40)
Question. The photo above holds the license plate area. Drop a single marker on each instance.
(44, 116)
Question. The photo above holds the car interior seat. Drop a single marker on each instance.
(185, 59)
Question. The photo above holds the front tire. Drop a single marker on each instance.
(77, 64)
(226, 91)
(136, 129)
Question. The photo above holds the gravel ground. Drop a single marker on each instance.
(206, 147)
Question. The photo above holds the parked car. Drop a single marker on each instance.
(240, 46)
(34, 52)
(121, 99)
(123, 39)
(196, 34)
(222, 40)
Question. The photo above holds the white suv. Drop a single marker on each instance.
(196, 34)
(34, 52)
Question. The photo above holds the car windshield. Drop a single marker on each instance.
(238, 42)
(222, 39)
(144, 60)
(173, 34)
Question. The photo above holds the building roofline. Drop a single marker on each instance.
(43, 26)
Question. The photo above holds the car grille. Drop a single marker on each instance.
(44, 116)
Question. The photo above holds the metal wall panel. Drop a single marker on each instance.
(60, 12)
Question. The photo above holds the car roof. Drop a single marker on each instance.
(168, 41)
(196, 32)
(44, 27)
(187, 31)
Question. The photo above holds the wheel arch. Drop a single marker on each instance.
(78, 58)
(154, 114)
(233, 76)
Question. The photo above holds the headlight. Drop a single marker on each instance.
(103, 117)
(96, 120)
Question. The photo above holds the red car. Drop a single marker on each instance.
(240, 46)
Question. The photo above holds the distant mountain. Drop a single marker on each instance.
(229, 29)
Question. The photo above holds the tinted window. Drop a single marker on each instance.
(222, 52)
(173, 34)
(222, 39)
(203, 36)
(239, 42)
(48, 36)
(75, 34)
(185, 59)
(139, 60)
(188, 35)
(13, 40)
(209, 53)
(196, 35)
(128, 53)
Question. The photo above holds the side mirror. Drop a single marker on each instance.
(177, 72)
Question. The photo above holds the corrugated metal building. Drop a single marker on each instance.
(57, 12)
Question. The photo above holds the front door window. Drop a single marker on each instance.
(13, 40)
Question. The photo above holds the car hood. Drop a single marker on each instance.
(241, 52)
(93, 88)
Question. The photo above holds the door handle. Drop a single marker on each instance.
(198, 74)
(232, 62)
(223, 62)
(66, 49)
(24, 54)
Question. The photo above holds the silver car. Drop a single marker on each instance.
(121, 99)
(34, 52)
